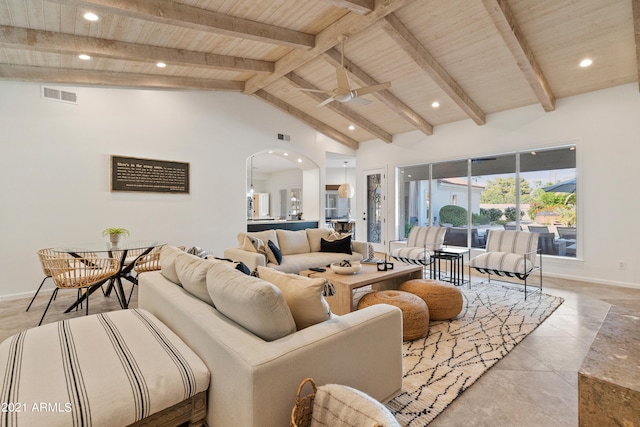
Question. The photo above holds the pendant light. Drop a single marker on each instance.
(346, 191)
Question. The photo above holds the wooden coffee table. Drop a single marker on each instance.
(342, 301)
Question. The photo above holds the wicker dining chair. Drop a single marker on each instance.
(42, 254)
(78, 273)
(148, 262)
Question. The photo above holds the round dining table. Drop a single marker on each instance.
(119, 251)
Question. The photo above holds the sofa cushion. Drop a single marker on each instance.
(298, 262)
(168, 256)
(254, 304)
(340, 246)
(193, 276)
(304, 296)
(503, 261)
(293, 242)
(314, 235)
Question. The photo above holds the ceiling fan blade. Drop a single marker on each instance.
(343, 80)
(370, 89)
(325, 102)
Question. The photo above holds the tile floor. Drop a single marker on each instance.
(534, 385)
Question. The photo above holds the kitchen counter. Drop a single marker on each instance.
(282, 224)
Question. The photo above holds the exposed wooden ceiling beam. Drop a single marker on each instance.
(392, 101)
(349, 24)
(49, 41)
(423, 58)
(341, 109)
(311, 121)
(635, 5)
(105, 78)
(173, 13)
(508, 28)
(357, 6)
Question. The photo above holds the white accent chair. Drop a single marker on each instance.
(419, 246)
(510, 253)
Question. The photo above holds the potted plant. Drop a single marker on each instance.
(115, 234)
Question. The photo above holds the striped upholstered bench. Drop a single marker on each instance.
(510, 253)
(112, 369)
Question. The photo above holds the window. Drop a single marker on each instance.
(532, 191)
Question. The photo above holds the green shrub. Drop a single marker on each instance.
(479, 219)
(510, 213)
(454, 215)
(494, 214)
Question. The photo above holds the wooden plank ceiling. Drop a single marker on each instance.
(473, 57)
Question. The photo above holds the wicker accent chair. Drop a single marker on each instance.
(420, 244)
(78, 273)
(511, 254)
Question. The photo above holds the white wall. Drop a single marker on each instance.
(54, 168)
(605, 126)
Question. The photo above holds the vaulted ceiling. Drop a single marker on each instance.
(473, 57)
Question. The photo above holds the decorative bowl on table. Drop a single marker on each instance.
(346, 267)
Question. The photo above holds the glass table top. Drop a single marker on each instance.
(106, 246)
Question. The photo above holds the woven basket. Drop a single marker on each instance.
(303, 409)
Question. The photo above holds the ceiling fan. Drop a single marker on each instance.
(344, 93)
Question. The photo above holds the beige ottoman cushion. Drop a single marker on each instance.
(415, 313)
(443, 299)
(109, 369)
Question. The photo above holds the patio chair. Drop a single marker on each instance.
(566, 233)
(538, 228)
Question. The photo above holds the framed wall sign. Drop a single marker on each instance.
(148, 175)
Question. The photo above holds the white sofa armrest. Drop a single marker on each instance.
(251, 259)
(360, 247)
(254, 382)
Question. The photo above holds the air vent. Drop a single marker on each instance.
(283, 137)
(59, 95)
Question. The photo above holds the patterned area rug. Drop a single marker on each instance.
(439, 367)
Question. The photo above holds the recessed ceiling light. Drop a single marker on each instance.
(586, 62)
(435, 104)
(84, 57)
(299, 160)
(533, 153)
(90, 16)
(286, 154)
(161, 65)
(352, 127)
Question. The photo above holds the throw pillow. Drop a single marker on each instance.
(275, 251)
(304, 296)
(252, 244)
(193, 276)
(238, 265)
(338, 246)
(254, 304)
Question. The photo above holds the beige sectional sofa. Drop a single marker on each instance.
(300, 249)
(248, 333)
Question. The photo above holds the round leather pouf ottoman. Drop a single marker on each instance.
(443, 299)
(415, 313)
